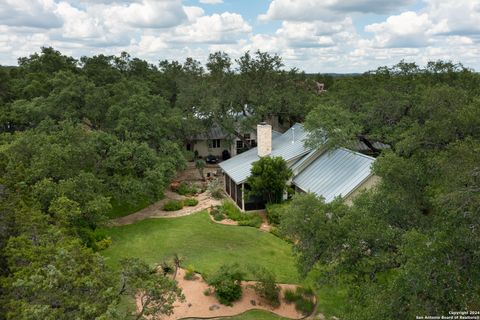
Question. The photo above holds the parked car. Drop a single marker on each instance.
(211, 159)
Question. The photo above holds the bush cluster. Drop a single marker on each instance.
(266, 287)
(190, 202)
(186, 189)
(274, 212)
(230, 210)
(190, 273)
(303, 299)
(217, 214)
(227, 283)
(173, 205)
(215, 189)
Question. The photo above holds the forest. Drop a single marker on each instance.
(82, 138)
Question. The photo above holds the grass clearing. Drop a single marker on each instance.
(207, 245)
(202, 243)
(124, 209)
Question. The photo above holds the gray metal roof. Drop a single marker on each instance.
(289, 146)
(335, 173)
(361, 146)
(215, 132)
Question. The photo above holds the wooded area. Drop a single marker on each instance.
(81, 138)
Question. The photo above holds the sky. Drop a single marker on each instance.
(339, 36)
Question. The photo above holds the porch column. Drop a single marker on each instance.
(243, 196)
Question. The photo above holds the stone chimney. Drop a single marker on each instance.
(264, 139)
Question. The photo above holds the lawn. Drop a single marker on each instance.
(206, 245)
(120, 209)
(201, 243)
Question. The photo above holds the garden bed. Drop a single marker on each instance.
(197, 304)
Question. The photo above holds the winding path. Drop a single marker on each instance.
(155, 210)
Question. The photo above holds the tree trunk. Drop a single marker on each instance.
(363, 139)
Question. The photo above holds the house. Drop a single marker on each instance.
(217, 140)
(327, 173)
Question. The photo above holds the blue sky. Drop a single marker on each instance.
(312, 35)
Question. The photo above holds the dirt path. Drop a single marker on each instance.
(197, 304)
(155, 210)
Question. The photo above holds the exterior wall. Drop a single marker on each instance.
(367, 184)
(233, 148)
(203, 150)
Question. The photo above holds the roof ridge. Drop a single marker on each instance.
(356, 153)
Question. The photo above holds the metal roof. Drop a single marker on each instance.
(289, 146)
(361, 146)
(335, 173)
(215, 132)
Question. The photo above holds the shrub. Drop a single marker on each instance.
(266, 287)
(186, 189)
(229, 209)
(103, 244)
(167, 268)
(307, 292)
(305, 306)
(274, 213)
(251, 220)
(189, 155)
(227, 283)
(215, 189)
(290, 296)
(190, 202)
(173, 205)
(218, 216)
(190, 273)
(207, 292)
(275, 231)
(302, 297)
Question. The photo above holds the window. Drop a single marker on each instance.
(239, 144)
(215, 143)
(247, 136)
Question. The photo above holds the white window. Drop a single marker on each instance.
(215, 143)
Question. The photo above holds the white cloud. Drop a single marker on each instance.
(329, 10)
(29, 13)
(457, 17)
(406, 30)
(150, 13)
(311, 35)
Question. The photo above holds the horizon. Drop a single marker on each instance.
(340, 37)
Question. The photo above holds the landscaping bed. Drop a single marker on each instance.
(197, 304)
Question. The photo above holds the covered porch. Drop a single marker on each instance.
(239, 194)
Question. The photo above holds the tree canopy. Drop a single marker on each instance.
(408, 246)
(268, 179)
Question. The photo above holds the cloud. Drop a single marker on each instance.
(150, 13)
(211, 1)
(311, 10)
(407, 30)
(455, 17)
(29, 13)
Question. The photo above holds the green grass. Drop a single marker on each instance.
(124, 209)
(201, 243)
(207, 245)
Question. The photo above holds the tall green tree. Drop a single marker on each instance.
(268, 179)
